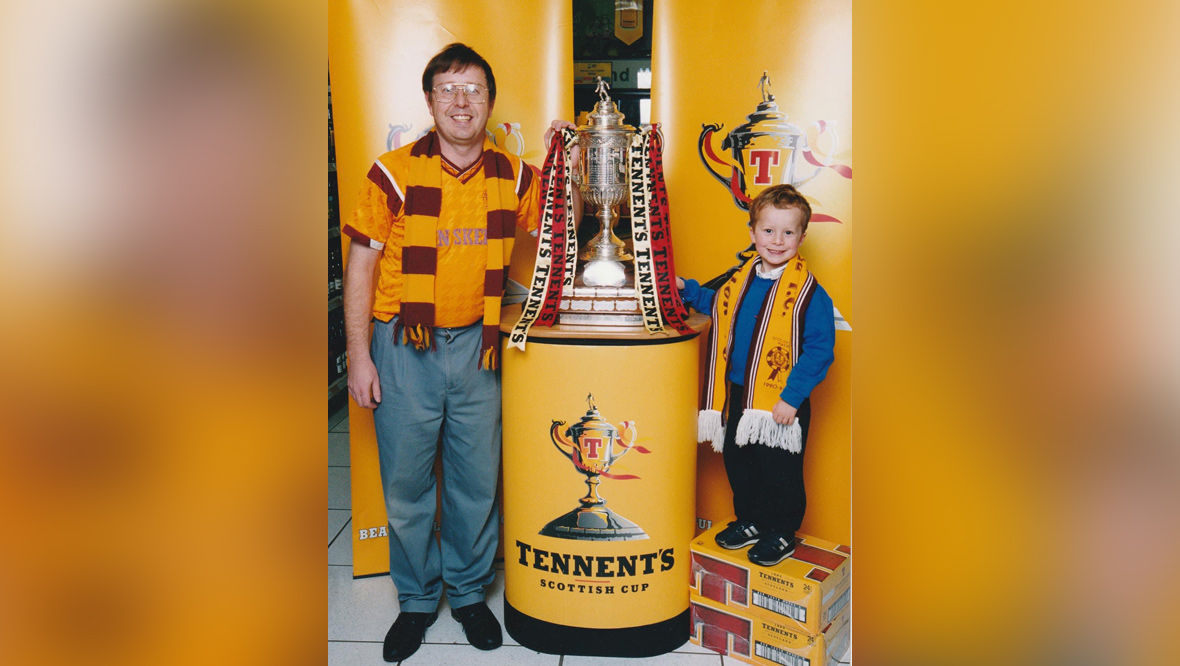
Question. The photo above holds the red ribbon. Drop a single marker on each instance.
(554, 177)
(661, 241)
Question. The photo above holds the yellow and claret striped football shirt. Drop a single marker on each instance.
(462, 226)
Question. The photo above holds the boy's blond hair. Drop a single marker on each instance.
(780, 196)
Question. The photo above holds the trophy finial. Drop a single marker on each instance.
(590, 400)
(764, 87)
(603, 86)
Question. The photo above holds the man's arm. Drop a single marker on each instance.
(363, 384)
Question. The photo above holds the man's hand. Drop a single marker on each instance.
(363, 383)
(783, 413)
(555, 127)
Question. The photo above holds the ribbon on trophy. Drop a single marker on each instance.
(641, 197)
(651, 238)
(670, 304)
(557, 242)
(565, 232)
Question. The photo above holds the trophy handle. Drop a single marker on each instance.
(559, 440)
(627, 435)
(705, 150)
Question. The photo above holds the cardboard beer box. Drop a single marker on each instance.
(805, 591)
(767, 642)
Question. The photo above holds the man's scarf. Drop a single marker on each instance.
(420, 251)
(774, 350)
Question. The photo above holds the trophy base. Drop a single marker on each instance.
(593, 524)
(586, 305)
(619, 320)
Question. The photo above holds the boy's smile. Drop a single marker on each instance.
(776, 234)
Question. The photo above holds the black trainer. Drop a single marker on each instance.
(406, 634)
(772, 548)
(480, 626)
(738, 534)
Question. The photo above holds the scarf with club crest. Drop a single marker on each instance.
(774, 350)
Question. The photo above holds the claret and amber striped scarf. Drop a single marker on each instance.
(774, 350)
(420, 253)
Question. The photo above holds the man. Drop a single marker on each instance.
(437, 219)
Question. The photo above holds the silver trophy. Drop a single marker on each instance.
(604, 283)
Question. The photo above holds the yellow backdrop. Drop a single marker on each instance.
(377, 50)
(708, 60)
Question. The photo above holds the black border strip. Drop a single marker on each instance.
(645, 641)
(607, 342)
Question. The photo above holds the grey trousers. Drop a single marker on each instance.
(425, 394)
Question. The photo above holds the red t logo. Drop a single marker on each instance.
(762, 160)
(593, 444)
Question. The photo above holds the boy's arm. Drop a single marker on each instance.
(817, 350)
(698, 297)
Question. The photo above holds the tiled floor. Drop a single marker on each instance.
(360, 611)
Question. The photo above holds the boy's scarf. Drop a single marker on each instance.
(420, 251)
(774, 350)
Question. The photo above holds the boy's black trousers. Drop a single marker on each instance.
(767, 482)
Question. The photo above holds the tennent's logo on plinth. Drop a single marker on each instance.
(594, 446)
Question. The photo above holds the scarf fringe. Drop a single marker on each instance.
(710, 429)
(757, 426)
(419, 335)
(489, 359)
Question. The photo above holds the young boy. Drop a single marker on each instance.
(771, 344)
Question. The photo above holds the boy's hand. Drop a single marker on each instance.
(783, 413)
(679, 283)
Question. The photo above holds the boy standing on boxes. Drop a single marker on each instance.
(772, 342)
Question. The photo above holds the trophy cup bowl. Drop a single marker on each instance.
(603, 181)
(603, 290)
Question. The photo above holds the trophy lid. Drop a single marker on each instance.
(605, 115)
(766, 119)
(592, 420)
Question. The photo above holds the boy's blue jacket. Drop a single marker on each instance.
(816, 351)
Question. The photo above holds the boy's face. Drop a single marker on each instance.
(777, 234)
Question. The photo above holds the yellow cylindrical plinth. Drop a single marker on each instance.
(599, 489)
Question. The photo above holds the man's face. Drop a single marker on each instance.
(460, 122)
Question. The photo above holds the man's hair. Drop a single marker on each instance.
(780, 196)
(457, 57)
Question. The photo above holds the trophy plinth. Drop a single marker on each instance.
(604, 263)
(592, 442)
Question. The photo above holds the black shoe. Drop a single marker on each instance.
(772, 548)
(480, 626)
(739, 533)
(406, 634)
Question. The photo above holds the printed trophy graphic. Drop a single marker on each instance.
(591, 445)
(765, 151)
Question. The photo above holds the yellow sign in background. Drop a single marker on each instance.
(377, 50)
(707, 61)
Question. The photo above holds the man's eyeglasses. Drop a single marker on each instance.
(475, 93)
